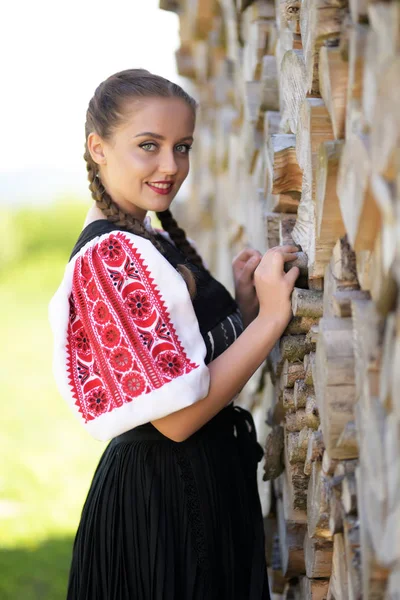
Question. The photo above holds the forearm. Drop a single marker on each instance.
(229, 373)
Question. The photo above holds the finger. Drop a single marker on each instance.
(251, 266)
(285, 248)
(292, 275)
(245, 254)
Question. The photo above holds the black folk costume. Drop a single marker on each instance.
(162, 520)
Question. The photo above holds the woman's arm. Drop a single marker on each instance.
(232, 369)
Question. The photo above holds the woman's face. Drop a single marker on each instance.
(144, 163)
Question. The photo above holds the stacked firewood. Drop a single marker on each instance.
(298, 140)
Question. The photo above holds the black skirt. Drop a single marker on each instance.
(174, 521)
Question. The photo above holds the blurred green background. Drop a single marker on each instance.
(47, 459)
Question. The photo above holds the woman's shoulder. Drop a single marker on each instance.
(93, 230)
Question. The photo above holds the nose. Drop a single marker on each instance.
(168, 164)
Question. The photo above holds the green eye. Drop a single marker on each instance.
(183, 148)
(148, 146)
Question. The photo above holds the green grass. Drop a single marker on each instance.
(47, 458)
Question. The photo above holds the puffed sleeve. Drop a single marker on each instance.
(127, 344)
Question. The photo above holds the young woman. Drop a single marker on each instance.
(150, 353)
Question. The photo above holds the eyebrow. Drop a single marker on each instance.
(157, 136)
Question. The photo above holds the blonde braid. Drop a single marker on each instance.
(110, 209)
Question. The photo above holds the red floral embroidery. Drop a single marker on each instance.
(97, 401)
(121, 341)
(121, 359)
(170, 363)
(101, 314)
(133, 384)
(110, 336)
(82, 341)
(92, 291)
(110, 249)
(139, 305)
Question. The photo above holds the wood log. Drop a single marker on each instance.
(351, 532)
(314, 127)
(273, 455)
(349, 494)
(318, 503)
(302, 262)
(385, 125)
(320, 20)
(300, 325)
(360, 212)
(344, 265)
(269, 84)
(291, 372)
(294, 347)
(288, 400)
(338, 584)
(334, 381)
(296, 446)
(309, 368)
(329, 221)
(341, 301)
(318, 557)
(367, 340)
(285, 230)
(336, 512)
(315, 450)
(329, 464)
(333, 81)
(355, 121)
(291, 538)
(283, 173)
(301, 392)
(313, 589)
(347, 442)
(293, 85)
(383, 287)
(333, 285)
(383, 41)
(374, 577)
(307, 303)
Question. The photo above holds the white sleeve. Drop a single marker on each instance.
(127, 344)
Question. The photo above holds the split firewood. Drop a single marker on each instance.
(329, 221)
(318, 503)
(302, 392)
(383, 42)
(283, 172)
(297, 444)
(336, 512)
(347, 442)
(273, 457)
(269, 84)
(291, 539)
(334, 380)
(318, 557)
(355, 121)
(351, 530)
(309, 368)
(291, 372)
(361, 214)
(293, 85)
(320, 20)
(312, 335)
(343, 265)
(333, 80)
(300, 325)
(296, 421)
(288, 400)
(315, 450)
(338, 584)
(385, 126)
(341, 301)
(314, 589)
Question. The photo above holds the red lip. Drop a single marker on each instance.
(163, 192)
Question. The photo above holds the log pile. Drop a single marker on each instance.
(298, 141)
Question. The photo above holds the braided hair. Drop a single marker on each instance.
(104, 113)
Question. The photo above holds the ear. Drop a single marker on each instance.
(95, 146)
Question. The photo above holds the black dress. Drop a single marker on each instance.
(176, 521)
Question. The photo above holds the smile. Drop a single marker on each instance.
(161, 188)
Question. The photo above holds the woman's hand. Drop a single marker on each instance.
(273, 285)
(243, 267)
